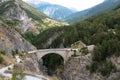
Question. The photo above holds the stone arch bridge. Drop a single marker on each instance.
(65, 53)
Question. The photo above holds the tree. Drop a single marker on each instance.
(18, 76)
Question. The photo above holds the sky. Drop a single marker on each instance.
(75, 4)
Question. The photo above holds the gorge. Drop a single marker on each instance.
(35, 45)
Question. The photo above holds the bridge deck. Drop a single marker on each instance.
(44, 50)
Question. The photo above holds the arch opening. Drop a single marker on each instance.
(52, 62)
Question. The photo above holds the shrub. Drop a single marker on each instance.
(2, 52)
(15, 52)
(104, 67)
(84, 51)
(1, 59)
(18, 76)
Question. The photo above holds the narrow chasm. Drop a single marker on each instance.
(51, 62)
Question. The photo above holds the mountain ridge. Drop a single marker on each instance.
(55, 11)
(104, 7)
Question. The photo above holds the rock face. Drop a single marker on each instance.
(3, 1)
(13, 11)
(12, 40)
(76, 69)
(29, 18)
(30, 65)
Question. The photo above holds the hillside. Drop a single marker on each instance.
(104, 7)
(40, 18)
(16, 19)
(85, 30)
(11, 40)
(54, 11)
(29, 18)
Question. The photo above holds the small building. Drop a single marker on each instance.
(78, 44)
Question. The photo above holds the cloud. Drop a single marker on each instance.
(77, 4)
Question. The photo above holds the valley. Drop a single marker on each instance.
(79, 45)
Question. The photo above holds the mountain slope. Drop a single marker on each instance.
(106, 6)
(86, 31)
(11, 40)
(17, 18)
(56, 12)
(29, 18)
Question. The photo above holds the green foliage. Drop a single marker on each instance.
(94, 30)
(102, 31)
(32, 12)
(63, 36)
(30, 36)
(2, 52)
(106, 49)
(32, 15)
(10, 23)
(52, 62)
(84, 50)
(3, 6)
(1, 59)
(104, 67)
(93, 67)
(15, 52)
(18, 76)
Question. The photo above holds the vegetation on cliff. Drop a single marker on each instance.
(102, 31)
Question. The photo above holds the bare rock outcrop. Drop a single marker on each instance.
(14, 11)
(30, 65)
(11, 40)
(75, 69)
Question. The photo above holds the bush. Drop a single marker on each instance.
(84, 51)
(15, 52)
(1, 59)
(105, 68)
(2, 52)
(93, 67)
(18, 76)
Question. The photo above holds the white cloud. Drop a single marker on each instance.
(77, 4)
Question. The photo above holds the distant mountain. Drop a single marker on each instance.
(106, 6)
(54, 11)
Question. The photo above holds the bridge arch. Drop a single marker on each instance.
(52, 54)
(66, 53)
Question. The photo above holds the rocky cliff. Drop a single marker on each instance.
(76, 69)
(10, 40)
(29, 18)
(11, 10)
(29, 65)
(17, 17)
